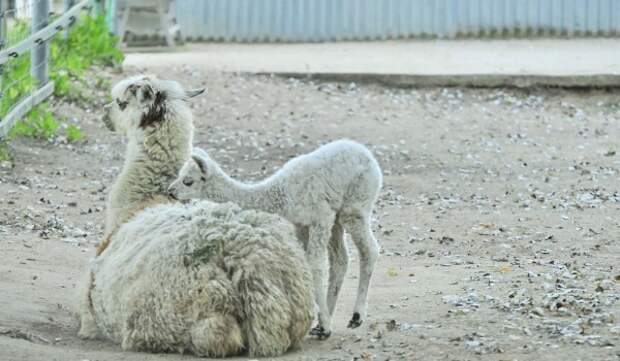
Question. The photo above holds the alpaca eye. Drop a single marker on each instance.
(188, 182)
(122, 104)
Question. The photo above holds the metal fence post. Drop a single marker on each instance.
(3, 27)
(68, 4)
(98, 8)
(3, 8)
(39, 67)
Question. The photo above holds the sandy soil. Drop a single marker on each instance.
(498, 220)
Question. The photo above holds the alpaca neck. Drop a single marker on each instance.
(154, 158)
(247, 195)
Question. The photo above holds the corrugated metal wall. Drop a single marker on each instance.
(328, 20)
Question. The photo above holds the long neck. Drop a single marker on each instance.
(252, 196)
(154, 158)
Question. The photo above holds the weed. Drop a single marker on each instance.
(5, 152)
(38, 123)
(16, 82)
(73, 133)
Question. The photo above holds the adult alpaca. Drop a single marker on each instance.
(155, 117)
(204, 278)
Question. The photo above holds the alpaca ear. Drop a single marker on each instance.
(194, 92)
(202, 165)
(199, 152)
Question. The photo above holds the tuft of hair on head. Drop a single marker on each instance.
(156, 110)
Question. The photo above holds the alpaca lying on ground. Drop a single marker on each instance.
(323, 193)
(205, 278)
(155, 117)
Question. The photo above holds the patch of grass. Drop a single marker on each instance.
(16, 83)
(88, 44)
(73, 133)
(5, 152)
(16, 80)
(38, 123)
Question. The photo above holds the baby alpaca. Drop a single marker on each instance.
(155, 117)
(322, 193)
(205, 278)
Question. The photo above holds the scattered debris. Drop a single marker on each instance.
(23, 335)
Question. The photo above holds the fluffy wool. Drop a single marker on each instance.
(205, 278)
(323, 193)
(155, 117)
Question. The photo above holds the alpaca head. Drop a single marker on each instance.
(141, 102)
(194, 178)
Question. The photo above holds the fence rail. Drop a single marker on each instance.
(37, 43)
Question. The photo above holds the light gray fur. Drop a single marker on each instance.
(205, 278)
(323, 193)
(154, 154)
(147, 288)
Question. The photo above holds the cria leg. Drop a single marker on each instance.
(358, 227)
(316, 254)
(338, 264)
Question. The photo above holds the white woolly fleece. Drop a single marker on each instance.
(322, 193)
(155, 152)
(205, 278)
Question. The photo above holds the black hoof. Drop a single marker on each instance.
(356, 321)
(320, 333)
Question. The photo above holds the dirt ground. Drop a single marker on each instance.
(498, 219)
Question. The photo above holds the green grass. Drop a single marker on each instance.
(39, 123)
(5, 152)
(73, 133)
(16, 80)
(88, 44)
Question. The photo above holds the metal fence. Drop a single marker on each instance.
(330, 20)
(25, 33)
